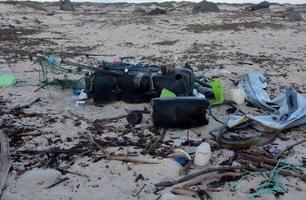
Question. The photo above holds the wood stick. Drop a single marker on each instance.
(260, 159)
(184, 191)
(199, 173)
(288, 148)
(5, 161)
(154, 144)
(211, 177)
(57, 182)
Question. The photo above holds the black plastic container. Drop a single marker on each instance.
(179, 112)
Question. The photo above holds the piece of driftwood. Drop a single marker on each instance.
(288, 148)
(5, 161)
(199, 173)
(265, 166)
(125, 158)
(269, 161)
(214, 176)
(52, 151)
(57, 182)
(155, 143)
(184, 191)
(27, 105)
(106, 155)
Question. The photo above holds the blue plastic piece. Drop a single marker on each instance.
(51, 59)
(181, 160)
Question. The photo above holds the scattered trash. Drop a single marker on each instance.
(83, 95)
(182, 112)
(218, 91)
(275, 150)
(205, 6)
(295, 16)
(7, 80)
(254, 86)
(138, 83)
(181, 156)
(166, 93)
(237, 95)
(291, 112)
(7, 77)
(54, 60)
(202, 154)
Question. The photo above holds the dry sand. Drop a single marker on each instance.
(217, 44)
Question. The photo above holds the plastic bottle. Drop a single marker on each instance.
(202, 154)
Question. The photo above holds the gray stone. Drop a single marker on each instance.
(261, 5)
(204, 7)
(295, 16)
(66, 5)
(139, 10)
(157, 11)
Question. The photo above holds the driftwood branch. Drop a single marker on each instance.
(199, 173)
(5, 161)
(288, 148)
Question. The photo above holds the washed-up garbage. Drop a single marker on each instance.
(202, 154)
(218, 91)
(289, 107)
(254, 86)
(181, 156)
(291, 112)
(238, 96)
(181, 112)
(137, 83)
(7, 77)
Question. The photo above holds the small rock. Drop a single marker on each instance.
(139, 11)
(205, 6)
(295, 16)
(51, 13)
(157, 11)
(66, 5)
(134, 117)
(261, 5)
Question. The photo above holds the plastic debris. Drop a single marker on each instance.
(181, 156)
(202, 154)
(218, 91)
(289, 107)
(166, 93)
(254, 85)
(7, 80)
(238, 96)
